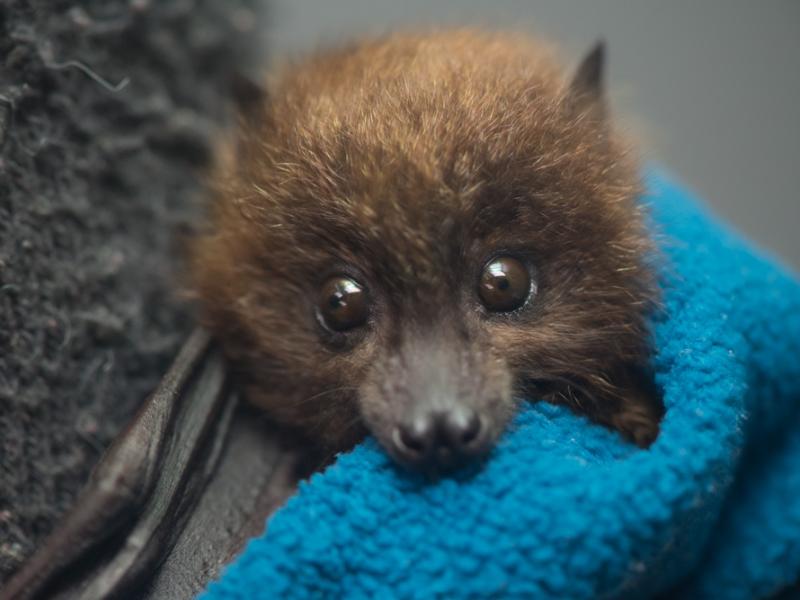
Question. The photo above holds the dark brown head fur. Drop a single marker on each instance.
(406, 163)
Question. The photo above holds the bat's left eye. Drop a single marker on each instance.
(342, 304)
(505, 284)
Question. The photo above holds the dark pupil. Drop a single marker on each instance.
(343, 291)
(502, 283)
(336, 300)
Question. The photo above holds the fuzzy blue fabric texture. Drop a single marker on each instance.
(565, 508)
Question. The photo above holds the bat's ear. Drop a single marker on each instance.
(587, 89)
(248, 96)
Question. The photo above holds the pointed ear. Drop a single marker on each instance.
(248, 96)
(587, 88)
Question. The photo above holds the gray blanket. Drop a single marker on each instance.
(107, 112)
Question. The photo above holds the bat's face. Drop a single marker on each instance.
(409, 258)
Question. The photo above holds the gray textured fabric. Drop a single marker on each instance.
(107, 111)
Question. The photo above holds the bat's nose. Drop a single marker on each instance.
(441, 439)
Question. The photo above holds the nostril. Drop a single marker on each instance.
(463, 429)
(472, 430)
(414, 440)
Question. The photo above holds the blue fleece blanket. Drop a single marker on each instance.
(566, 509)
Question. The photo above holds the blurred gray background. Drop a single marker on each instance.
(710, 88)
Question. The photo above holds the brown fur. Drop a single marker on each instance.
(408, 161)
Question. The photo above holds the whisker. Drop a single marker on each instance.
(324, 393)
(568, 393)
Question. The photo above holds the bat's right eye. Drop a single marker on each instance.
(342, 304)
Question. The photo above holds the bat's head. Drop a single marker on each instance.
(412, 232)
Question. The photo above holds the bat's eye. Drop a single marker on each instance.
(505, 284)
(342, 304)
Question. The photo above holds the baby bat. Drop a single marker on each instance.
(411, 233)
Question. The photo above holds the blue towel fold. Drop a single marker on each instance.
(565, 508)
